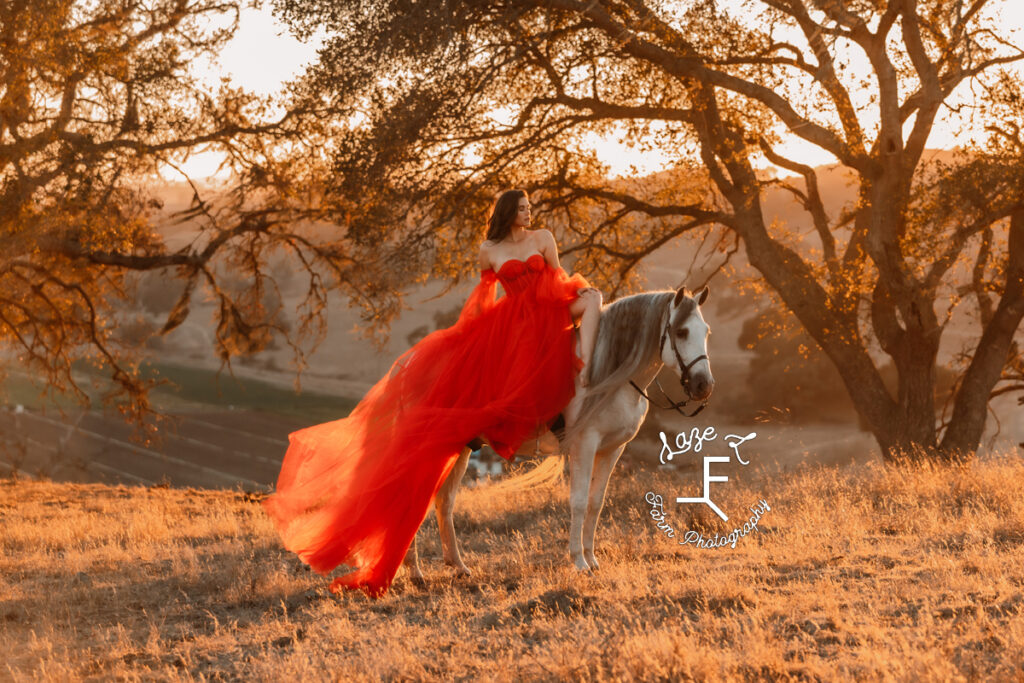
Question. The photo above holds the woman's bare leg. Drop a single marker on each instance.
(587, 309)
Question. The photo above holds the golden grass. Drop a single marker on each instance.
(858, 573)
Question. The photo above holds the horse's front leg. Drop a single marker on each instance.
(581, 465)
(604, 463)
(444, 505)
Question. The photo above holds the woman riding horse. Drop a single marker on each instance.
(354, 491)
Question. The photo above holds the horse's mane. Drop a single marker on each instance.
(627, 339)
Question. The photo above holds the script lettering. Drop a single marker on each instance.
(684, 442)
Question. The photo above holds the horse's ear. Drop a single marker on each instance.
(702, 296)
(680, 293)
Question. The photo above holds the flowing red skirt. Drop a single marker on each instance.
(354, 491)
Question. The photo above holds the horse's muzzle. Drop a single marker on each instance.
(700, 386)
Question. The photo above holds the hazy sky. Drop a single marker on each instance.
(262, 56)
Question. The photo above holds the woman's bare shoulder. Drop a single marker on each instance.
(543, 237)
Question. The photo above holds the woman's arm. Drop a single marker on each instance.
(548, 247)
(485, 261)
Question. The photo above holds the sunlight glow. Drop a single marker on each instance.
(263, 56)
(202, 165)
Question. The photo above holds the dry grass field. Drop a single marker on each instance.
(855, 573)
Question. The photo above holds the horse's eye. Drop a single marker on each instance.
(683, 333)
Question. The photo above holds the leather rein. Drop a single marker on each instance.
(684, 378)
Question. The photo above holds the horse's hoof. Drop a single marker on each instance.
(592, 561)
(418, 581)
(582, 566)
(460, 568)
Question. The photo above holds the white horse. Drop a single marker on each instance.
(637, 336)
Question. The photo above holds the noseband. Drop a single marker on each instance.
(684, 378)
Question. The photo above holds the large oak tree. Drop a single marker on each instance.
(97, 99)
(430, 106)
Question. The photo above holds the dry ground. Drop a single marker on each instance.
(856, 573)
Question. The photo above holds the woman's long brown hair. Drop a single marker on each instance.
(503, 213)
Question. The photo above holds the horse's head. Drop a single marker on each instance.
(684, 343)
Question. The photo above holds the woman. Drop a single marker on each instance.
(354, 491)
(508, 238)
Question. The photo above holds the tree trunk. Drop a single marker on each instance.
(913, 434)
(968, 422)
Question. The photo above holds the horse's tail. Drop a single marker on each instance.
(545, 474)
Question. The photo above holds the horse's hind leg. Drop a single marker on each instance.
(604, 463)
(411, 563)
(444, 504)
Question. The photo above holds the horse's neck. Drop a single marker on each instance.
(648, 371)
(646, 374)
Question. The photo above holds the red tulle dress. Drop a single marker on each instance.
(354, 491)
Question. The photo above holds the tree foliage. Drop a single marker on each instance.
(437, 104)
(97, 99)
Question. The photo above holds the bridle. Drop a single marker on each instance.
(684, 377)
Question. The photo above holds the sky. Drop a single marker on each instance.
(263, 55)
